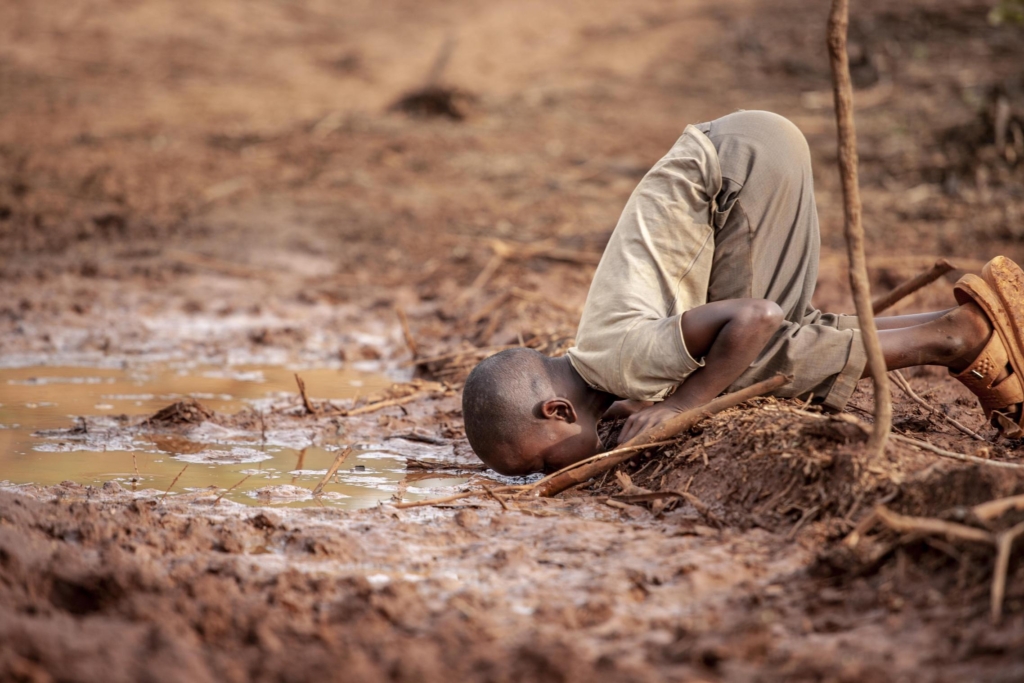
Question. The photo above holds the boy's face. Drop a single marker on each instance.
(558, 442)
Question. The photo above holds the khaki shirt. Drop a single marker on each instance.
(656, 266)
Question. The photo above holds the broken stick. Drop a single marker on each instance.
(657, 435)
(842, 88)
(372, 407)
(905, 289)
(302, 392)
(459, 496)
(338, 461)
(901, 381)
(410, 341)
(227, 491)
(931, 526)
(1004, 546)
(989, 510)
(173, 482)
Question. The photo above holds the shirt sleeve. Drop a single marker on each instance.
(655, 359)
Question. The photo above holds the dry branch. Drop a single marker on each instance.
(997, 508)
(536, 486)
(410, 341)
(905, 289)
(957, 456)
(227, 491)
(460, 496)
(173, 482)
(843, 91)
(580, 472)
(338, 462)
(1004, 546)
(863, 527)
(497, 498)
(652, 496)
(931, 526)
(901, 381)
(379, 405)
(305, 399)
(850, 419)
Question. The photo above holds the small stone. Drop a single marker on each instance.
(467, 519)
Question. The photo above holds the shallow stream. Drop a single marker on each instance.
(38, 405)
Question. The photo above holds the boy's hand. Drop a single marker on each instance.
(643, 420)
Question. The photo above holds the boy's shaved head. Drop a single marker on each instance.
(498, 405)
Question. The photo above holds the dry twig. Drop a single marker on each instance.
(227, 491)
(846, 417)
(459, 496)
(863, 527)
(410, 341)
(957, 456)
(495, 496)
(379, 405)
(173, 482)
(652, 496)
(905, 289)
(540, 485)
(997, 508)
(931, 526)
(338, 461)
(843, 91)
(305, 399)
(901, 381)
(1004, 546)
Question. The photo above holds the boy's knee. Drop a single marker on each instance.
(762, 317)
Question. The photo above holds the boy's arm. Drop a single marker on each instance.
(625, 408)
(729, 335)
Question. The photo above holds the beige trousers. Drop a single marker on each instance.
(767, 246)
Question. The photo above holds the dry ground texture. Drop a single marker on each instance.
(185, 179)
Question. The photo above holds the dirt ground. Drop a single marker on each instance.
(233, 180)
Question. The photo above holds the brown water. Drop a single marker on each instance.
(281, 471)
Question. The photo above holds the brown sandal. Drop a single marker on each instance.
(1005, 347)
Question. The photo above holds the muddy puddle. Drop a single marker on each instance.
(44, 439)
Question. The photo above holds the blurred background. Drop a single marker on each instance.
(165, 161)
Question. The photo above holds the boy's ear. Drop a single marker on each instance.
(558, 409)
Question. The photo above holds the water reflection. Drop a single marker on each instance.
(278, 467)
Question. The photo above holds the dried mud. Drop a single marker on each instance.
(314, 184)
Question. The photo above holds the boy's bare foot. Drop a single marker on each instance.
(976, 332)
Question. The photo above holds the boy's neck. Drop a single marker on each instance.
(584, 397)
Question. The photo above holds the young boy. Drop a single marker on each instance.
(705, 286)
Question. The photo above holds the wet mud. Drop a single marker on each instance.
(385, 193)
